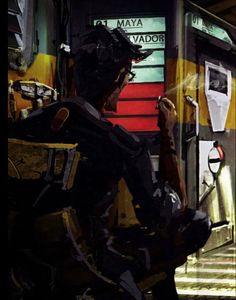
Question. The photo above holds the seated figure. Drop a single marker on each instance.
(63, 241)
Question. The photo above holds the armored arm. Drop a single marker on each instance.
(169, 165)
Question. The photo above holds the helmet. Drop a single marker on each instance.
(101, 54)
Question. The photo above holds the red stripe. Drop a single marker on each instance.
(137, 123)
(221, 153)
(136, 107)
(142, 90)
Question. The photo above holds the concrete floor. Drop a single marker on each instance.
(212, 276)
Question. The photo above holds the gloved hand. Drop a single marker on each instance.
(194, 226)
(167, 116)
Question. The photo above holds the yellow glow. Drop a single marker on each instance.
(225, 184)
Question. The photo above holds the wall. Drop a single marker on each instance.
(43, 66)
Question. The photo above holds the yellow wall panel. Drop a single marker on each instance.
(41, 70)
(186, 78)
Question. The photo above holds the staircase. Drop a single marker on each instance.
(212, 276)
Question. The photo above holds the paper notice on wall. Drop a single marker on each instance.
(218, 84)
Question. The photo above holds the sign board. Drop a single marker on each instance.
(152, 74)
(148, 40)
(132, 24)
(136, 109)
(211, 29)
(149, 32)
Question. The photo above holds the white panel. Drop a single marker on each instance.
(218, 94)
(148, 74)
(149, 41)
(149, 32)
(156, 58)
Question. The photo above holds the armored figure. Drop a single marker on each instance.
(64, 241)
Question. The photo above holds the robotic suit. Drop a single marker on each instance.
(122, 257)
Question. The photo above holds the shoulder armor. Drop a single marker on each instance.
(85, 106)
(127, 138)
(89, 112)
